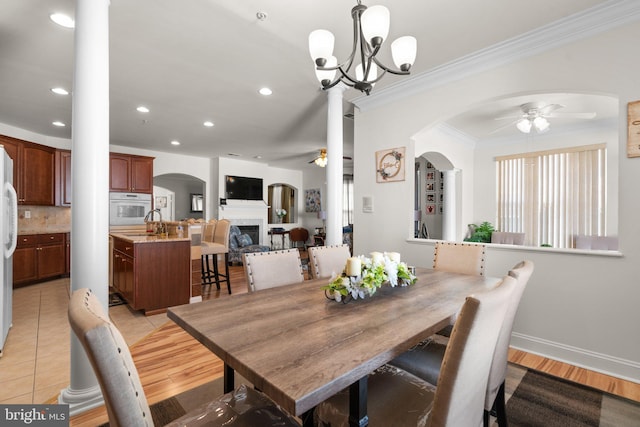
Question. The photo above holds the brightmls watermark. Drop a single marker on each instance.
(34, 415)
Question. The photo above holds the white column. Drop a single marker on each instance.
(90, 183)
(449, 205)
(334, 167)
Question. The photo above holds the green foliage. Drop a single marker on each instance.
(481, 233)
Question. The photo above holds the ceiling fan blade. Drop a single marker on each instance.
(512, 123)
(548, 109)
(571, 115)
(512, 117)
(346, 158)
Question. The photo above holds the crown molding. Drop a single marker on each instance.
(590, 22)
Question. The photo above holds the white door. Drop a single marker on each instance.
(164, 200)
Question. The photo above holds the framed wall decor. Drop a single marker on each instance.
(390, 165)
(312, 200)
(633, 125)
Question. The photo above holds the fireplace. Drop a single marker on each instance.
(253, 231)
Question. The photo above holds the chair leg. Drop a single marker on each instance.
(226, 271)
(501, 407)
(215, 271)
(206, 271)
(485, 418)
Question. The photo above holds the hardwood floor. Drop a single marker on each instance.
(169, 362)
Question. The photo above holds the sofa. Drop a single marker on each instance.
(240, 243)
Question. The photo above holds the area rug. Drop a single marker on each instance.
(534, 400)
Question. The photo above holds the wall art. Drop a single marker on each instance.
(633, 125)
(312, 200)
(390, 165)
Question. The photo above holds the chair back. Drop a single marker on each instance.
(111, 361)
(460, 392)
(521, 272)
(298, 237)
(507, 238)
(221, 234)
(208, 229)
(328, 261)
(271, 269)
(455, 257)
(603, 243)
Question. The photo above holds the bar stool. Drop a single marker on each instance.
(215, 241)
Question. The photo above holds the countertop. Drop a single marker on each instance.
(149, 238)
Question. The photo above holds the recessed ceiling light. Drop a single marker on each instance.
(265, 91)
(60, 91)
(58, 123)
(142, 109)
(174, 142)
(234, 154)
(208, 124)
(63, 20)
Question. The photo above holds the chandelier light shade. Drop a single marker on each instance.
(370, 30)
(540, 124)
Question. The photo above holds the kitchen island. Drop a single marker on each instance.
(151, 272)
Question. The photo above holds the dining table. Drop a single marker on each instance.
(300, 348)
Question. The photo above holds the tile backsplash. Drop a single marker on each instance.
(43, 219)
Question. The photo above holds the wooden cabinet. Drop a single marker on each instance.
(67, 255)
(38, 257)
(128, 173)
(63, 178)
(33, 171)
(152, 276)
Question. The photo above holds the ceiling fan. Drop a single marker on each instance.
(535, 115)
(321, 160)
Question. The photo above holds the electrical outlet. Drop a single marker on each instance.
(27, 214)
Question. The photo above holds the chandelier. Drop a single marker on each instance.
(370, 30)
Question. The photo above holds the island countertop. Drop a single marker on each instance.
(142, 237)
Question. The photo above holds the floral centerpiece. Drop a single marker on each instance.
(280, 213)
(363, 276)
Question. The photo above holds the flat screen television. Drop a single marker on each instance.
(243, 188)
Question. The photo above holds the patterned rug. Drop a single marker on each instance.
(534, 400)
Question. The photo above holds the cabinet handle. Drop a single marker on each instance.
(51, 237)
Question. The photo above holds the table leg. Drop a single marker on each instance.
(229, 380)
(358, 404)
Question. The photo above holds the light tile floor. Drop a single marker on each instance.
(35, 364)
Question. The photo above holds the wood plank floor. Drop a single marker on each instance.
(169, 362)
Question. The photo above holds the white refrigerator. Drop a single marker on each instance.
(9, 232)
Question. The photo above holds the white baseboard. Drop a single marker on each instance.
(609, 365)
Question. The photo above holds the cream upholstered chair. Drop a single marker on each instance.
(397, 398)
(507, 238)
(425, 360)
(603, 243)
(328, 261)
(124, 397)
(270, 269)
(467, 258)
(215, 241)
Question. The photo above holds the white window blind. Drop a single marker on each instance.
(552, 196)
(347, 200)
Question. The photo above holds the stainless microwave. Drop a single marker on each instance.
(128, 208)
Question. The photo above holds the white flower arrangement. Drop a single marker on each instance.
(281, 212)
(370, 275)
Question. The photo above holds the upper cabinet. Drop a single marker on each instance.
(33, 171)
(130, 174)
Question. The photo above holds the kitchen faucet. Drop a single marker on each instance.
(149, 217)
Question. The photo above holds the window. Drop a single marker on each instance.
(552, 196)
(347, 200)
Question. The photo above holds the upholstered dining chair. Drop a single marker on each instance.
(215, 242)
(456, 257)
(122, 390)
(270, 269)
(425, 360)
(328, 261)
(507, 238)
(397, 397)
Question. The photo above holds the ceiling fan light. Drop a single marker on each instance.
(321, 161)
(541, 124)
(328, 75)
(321, 44)
(403, 51)
(524, 125)
(374, 23)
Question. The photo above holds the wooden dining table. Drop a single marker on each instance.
(300, 348)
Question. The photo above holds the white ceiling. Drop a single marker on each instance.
(196, 60)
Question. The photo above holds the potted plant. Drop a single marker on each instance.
(481, 233)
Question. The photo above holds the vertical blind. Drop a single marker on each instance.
(347, 200)
(552, 196)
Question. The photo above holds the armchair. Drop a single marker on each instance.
(240, 244)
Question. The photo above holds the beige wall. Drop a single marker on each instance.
(579, 308)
